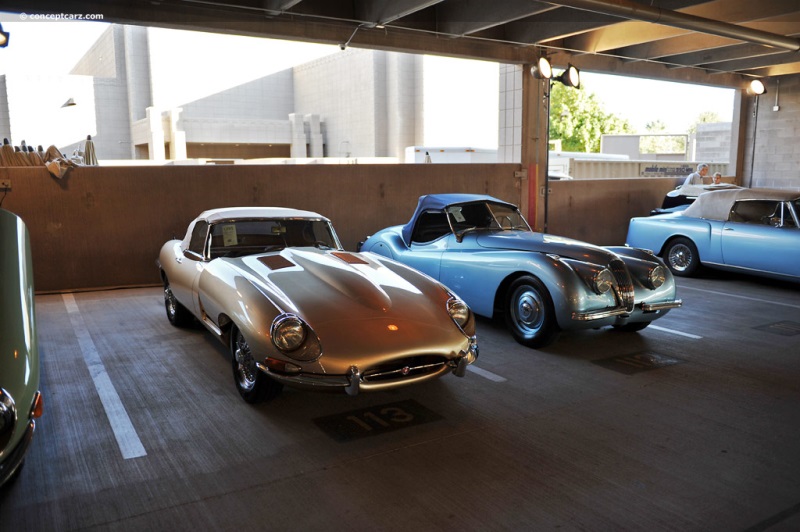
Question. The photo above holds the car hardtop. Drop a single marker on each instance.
(717, 205)
(437, 203)
(233, 213)
(201, 231)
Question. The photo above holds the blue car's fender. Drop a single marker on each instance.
(482, 278)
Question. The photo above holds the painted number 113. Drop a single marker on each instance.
(382, 419)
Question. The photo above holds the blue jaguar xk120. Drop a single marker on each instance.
(747, 230)
(483, 249)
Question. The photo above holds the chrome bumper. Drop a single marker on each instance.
(353, 382)
(14, 459)
(611, 312)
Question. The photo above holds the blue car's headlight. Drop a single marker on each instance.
(657, 276)
(603, 281)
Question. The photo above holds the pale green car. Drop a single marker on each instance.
(20, 399)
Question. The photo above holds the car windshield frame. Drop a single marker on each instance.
(771, 212)
(238, 237)
(487, 219)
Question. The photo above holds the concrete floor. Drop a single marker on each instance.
(560, 438)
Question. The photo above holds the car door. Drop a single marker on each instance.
(190, 263)
(761, 235)
(429, 241)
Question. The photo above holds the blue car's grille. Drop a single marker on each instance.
(624, 286)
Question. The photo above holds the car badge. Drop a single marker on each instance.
(406, 370)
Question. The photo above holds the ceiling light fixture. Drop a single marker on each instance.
(4, 36)
(542, 69)
(571, 77)
(757, 87)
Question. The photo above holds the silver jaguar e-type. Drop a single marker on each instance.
(275, 285)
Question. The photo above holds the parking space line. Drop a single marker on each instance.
(127, 439)
(485, 374)
(767, 301)
(672, 331)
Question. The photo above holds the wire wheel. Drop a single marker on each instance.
(244, 367)
(681, 257)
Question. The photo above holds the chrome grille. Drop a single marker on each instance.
(624, 287)
(405, 368)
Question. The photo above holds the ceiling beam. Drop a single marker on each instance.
(383, 12)
(673, 19)
(471, 16)
(785, 24)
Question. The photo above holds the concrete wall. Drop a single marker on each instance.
(776, 156)
(598, 210)
(103, 226)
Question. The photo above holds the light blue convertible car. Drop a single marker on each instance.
(484, 250)
(748, 230)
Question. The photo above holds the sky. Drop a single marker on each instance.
(461, 96)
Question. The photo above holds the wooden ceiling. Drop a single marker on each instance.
(718, 42)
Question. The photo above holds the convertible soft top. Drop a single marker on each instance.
(438, 202)
(717, 205)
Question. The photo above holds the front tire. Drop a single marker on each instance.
(177, 314)
(529, 313)
(253, 385)
(681, 257)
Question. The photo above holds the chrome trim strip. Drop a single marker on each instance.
(650, 307)
(411, 369)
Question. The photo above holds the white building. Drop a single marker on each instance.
(355, 103)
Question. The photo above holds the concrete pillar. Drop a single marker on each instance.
(299, 142)
(315, 134)
(155, 135)
(177, 137)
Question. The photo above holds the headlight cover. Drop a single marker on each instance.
(603, 281)
(8, 417)
(288, 332)
(459, 311)
(657, 276)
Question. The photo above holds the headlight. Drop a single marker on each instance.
(458, 310)
(603, 281)
(288, 332)
(657, 276)
(8, 417)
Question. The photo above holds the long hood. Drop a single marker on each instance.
(323, 285)
(544, 243)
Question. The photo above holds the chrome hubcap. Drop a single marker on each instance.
(680, 257)
(527, 309)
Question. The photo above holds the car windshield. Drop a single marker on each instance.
(481, 216)
(236, 238)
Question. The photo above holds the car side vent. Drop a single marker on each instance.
(624, 286)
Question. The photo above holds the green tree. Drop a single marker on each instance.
(662, 143)
(706, 117)
(578, 119)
